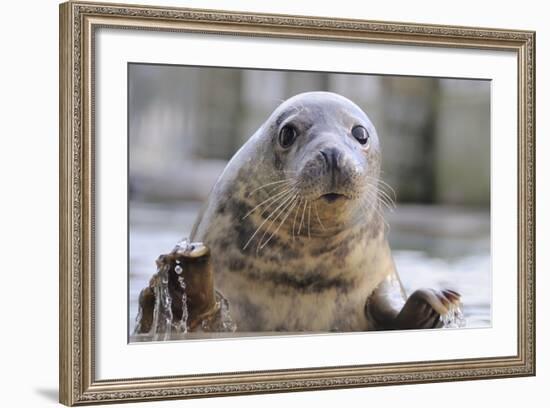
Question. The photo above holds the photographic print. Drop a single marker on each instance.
(257, 203)
(272, 202)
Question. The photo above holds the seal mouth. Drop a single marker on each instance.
(332, 197)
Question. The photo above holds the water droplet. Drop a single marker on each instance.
(182, 324)
(454, 318)
(182, 245)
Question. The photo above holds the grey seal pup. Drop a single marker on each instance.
(296, 230)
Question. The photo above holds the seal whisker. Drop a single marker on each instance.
(288, 210)
(381, 185)
(319, 218)
(303, 214)
(389, 206)
(296, 216)
(369, 204)
(385, 198)
(284, 200)
(384, 193)
(309, 220)
(384, 204)
(390, 188)
(376, 204)
(286, 181)
(378, 211)
(277, 196)
(279, 213)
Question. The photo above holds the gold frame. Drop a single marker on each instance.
(78, 22)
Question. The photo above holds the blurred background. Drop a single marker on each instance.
(185, 123)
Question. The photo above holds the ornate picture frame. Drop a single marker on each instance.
(79, 23)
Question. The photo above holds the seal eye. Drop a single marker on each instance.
(287, 136)
(360, 134)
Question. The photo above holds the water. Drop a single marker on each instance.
(164, 324)
(454, 319)
(162, 315)
(432, 247)
(181, 326)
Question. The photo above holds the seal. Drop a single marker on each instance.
(296, 230)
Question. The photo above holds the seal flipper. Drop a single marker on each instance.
(424, 308)
(386, 308)
(385, 303)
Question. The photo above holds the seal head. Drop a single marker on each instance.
(317, 149)
(328, 149)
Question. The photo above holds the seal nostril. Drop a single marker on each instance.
(325, 157)
(331, 156)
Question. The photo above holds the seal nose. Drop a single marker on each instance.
(332, 158)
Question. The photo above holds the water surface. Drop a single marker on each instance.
(432, 246)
